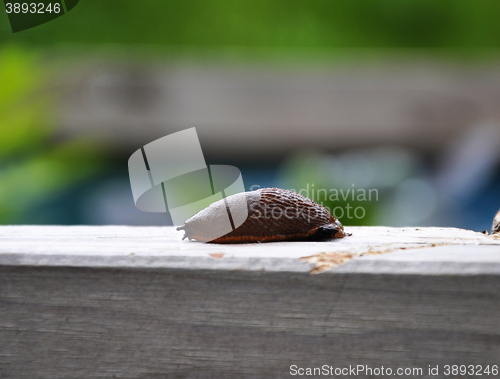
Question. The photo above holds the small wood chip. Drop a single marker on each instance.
(217, 255)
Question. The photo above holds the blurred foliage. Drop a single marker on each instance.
(33, 166)
(272, 23)
(21, 126)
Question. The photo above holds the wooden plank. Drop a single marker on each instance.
(75, 302)
(161, 247)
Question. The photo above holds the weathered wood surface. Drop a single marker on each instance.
(135, 302)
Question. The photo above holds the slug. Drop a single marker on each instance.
(495, 228)
(273, 215)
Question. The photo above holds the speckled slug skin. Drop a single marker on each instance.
(273, 215)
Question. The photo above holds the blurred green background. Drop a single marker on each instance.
(50, 174)
(284, 23)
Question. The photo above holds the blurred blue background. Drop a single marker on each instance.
(398, 97)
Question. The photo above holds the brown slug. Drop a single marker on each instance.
(495, 228)
(273, 215)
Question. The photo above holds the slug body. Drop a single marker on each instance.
(273, 215)
(495, 228)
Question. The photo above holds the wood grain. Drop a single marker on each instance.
(65, 318)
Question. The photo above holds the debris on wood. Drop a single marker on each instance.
(326, 261)
(216, 255)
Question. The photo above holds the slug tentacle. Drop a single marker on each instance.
(186, 233)
(273, 215)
